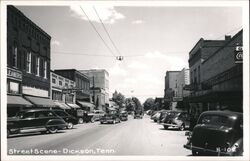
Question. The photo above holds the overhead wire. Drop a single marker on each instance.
(98, 32)
(105, 29)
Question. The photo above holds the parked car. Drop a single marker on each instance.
(112, 116)
(69, 119)
(156, 116)
(138, 114)
(180, 120)
(124, 116)
(163, 114)
(35, 120)
(97, 114)
(217, 133)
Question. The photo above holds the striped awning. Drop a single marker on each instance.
(62, 105)
(72, 105)
(41, 101)
(13, 101)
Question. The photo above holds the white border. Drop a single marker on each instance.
(245, 6)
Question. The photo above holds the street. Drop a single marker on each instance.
(132, 137)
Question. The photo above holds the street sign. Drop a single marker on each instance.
(238, 54)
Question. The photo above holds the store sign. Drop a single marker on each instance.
(12, 73)
(238, 54)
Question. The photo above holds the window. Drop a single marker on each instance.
(37, 66)
(41, 67)
(66, 85)
(54, 80)
(45, 69)
(14, 55)
(198, 74)
(60, 83)
(28, 62)
(13, 87)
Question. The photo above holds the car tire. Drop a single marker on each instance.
(8, 133)
(182, 127)
(92, 120)
(195, 153)
(52, 129)
(80, 120)
(70, 125)
(155, 120)
(101, 122)
(165, 127)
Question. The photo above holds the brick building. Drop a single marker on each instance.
(219, 86)
(28, 63)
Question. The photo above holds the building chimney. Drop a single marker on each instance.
(227, 37)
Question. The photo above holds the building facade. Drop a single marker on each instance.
(82, 85)
(99, 86)
(220, 84)
(28, 61)
(60, 94)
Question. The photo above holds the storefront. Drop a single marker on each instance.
(41, 102)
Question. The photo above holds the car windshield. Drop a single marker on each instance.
(215, 120)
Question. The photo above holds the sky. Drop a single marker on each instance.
(152, 40)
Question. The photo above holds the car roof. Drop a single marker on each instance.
(223, 113)
(34, 110)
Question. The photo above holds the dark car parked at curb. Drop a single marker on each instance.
(124, 116)
(69, 119)
(112, 116)
(180, 120)
(218, 133)
(35, 120)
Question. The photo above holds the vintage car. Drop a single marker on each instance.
(217, 133)
(175, 119)
(163, 114)
(124, 116)
(69, 119)
(112, 116)
(96, 115)
(35, 120)
(138, 114)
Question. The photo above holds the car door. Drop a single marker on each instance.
(42, 118)
(27, 120)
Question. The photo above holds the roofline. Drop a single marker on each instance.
(20, 12)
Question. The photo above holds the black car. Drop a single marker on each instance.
(112, 116)
(217, 133)
(124, 116)
(179, 120)
(35, 120)
(69, 119)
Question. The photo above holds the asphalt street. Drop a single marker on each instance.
(132, 137)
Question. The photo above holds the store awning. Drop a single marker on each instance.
(72, 105)
(14, 101)
(41, 102)
(62, 105)
(86, 104)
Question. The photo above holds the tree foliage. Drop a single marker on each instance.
(149, 104)
(118, 98)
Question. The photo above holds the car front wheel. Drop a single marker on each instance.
(70, 125)
(165, 127)
(52, 129)
(80, 121)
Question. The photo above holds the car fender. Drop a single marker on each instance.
(53, 122)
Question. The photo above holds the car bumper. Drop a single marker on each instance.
(207, 151)
(170, 125)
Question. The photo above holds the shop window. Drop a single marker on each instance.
(14, 87)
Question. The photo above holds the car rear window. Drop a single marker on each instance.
(215, 120)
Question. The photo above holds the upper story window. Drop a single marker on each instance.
(53, 80)
(37, 66)
(14, 50)
(45, 69)
(28, 62)
(60, 83)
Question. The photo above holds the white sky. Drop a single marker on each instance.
(151, 39)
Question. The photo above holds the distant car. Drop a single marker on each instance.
(112, 116)
(163, 114)
(69, 119)
(124, 116)
(217, 133)
(97, 114)
(180, 120)
(35, 120)
(138, 114)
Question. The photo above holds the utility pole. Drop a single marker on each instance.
(93, 86)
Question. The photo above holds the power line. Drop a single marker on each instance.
(105, 29)
(98, 32)
(82, 54)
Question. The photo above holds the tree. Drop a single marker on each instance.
(118, 98)
(137, 103)
(129, 104)
(149, 104)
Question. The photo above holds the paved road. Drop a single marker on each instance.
(132, 137)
